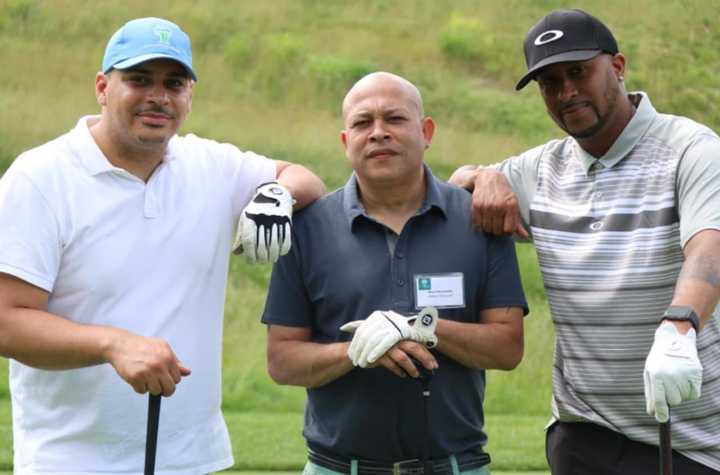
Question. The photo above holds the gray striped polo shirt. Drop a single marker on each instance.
(609, 234)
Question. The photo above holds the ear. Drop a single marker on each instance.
(428, 128)
(344, 139)
(618, 65)
(101, 84)
(192, 84)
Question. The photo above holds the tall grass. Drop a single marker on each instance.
(264, 58)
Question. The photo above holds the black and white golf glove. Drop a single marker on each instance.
(264, 228)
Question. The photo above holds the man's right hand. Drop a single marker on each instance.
(495, 206)
(399, 359)
(147, 364)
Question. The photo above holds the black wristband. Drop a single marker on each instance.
(682, 313)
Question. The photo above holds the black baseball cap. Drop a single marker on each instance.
(565, 35)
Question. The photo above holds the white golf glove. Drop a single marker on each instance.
(263, 232)
(673, 372)
(375, 335)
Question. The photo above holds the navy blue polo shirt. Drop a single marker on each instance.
(340, 268)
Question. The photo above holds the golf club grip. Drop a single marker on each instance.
(665, 449)
(152, 433)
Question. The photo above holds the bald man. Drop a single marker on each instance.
(368, 258)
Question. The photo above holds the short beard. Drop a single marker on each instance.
(611, 95)
(152, 141)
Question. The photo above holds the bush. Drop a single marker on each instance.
(284, 49)
(463, 38)
(238, 50)
(16, 13)
(335, 75)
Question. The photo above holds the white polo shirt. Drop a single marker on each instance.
(148, 257)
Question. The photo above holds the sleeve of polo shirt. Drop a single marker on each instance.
(30, 245)
(698, 187)
(247, 171)
(522, 171)
(503, 287)
(287, 302)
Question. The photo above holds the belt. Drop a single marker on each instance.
(466, 461)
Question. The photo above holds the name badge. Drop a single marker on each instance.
(439, 290)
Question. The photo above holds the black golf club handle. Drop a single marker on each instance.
(425, 374)
(152, 432)
(665, 448)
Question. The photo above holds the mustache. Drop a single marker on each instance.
(567, 106)
(156, 109)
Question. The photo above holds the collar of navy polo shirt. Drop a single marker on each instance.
(434, 199)
(630, 136)
(89, 154)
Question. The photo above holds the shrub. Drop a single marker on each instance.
(284, 49)
(238, 50)
(16, 13)
(335, 75)
(462, 38)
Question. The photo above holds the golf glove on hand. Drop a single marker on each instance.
(673, 372)
(375, 335)
(264, 229)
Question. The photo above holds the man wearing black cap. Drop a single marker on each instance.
(114, 247)
(625, 217)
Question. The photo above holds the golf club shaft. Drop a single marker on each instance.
(152, 433)
(665, 449)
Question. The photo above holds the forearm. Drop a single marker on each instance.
(304, 186)
(43, 340)
(698, 285)
(491, 345)
(308, 364)
(464, 177)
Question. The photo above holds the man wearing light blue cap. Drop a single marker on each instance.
(145, 39)
(114, 248)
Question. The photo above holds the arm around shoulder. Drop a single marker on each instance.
(464, 177)
(495, 206)
(304, 186)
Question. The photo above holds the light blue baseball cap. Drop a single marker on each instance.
(144, 39)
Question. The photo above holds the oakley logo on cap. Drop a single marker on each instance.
(548, 37)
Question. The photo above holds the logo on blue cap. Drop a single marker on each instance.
(163, 35)
(145, 39)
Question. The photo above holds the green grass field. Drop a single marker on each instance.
(272, 75)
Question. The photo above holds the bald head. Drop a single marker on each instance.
(386, 133)
(383, 83)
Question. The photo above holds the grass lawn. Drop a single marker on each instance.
(272, 441)
(495, 472)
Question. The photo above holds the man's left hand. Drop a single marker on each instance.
(673, 373)
(375, 335)
(264, 229)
